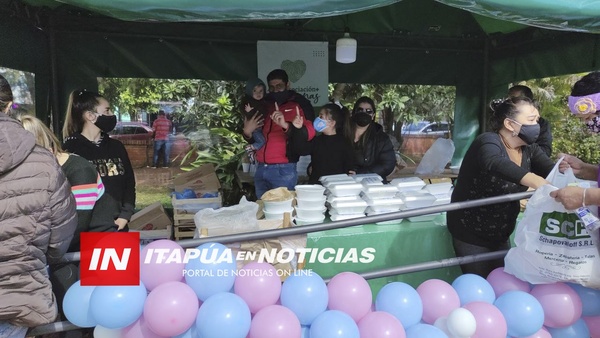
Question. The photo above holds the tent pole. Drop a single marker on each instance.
(54, 80)
(485, 85)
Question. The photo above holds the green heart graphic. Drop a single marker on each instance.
(294, 69)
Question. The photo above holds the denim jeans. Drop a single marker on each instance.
(271, 176)
(482, 268)
(8, 330)
(158, 144)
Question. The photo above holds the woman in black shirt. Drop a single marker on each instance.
(501, 162)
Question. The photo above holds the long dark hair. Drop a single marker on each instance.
(505, 108)
(351, 130)
(338, 115)
(80, 101)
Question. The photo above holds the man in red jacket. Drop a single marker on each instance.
(287, 135)
(162, 129)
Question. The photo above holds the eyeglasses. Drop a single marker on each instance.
(368, 111)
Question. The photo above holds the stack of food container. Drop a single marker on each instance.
(442, 192)
(310, 208)
(410, 190)
(276, 209)
(343, 197)
(381, 198)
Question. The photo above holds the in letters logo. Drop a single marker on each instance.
(110, 258)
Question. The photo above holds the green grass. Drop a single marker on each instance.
(146, 195)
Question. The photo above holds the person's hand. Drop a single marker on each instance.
(351, 172)
(298, 120)
(247, 107)
(570, 161)
(278, 118)
(570, 197)
(121, 223)
(253, 123)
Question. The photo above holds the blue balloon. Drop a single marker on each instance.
(211, 273)
(590, 300)
(190, 333)
(473, 288)
(424, 330)
(578, 330)
(305, 332)
(402, 301)
(523, 313)
(224, 315)
(334, 324)
(306, 295)
(76, 305)
(116, 307)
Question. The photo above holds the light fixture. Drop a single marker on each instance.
(345, 49)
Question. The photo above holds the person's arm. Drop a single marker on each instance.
(63, 216)
(573, 197)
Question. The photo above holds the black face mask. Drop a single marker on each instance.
(362, 119)
(279, 97)
(106, 123)
(529, 133)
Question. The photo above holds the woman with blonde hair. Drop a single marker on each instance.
(86, 184)
(85, 132)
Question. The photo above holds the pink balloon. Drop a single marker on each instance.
(502, 282)
(153, 273)
(439, 299)
(380, 324)
(490, 321)
(593, 324)
(171, 309)
(542, 333)
(275, 321)
(139, 329)
(351, 294)
(562, 305)
(258, 285)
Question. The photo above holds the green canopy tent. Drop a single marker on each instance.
(479, 46)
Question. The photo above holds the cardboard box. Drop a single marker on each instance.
(152, 217)
(201, 179)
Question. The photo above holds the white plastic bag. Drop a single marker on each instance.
(552, 244)
(435, 159)
(227, 220)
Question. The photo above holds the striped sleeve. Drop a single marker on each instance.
(86, 195)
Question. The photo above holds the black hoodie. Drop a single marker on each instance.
(112, 162)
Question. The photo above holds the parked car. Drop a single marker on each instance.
(132, 131)
(426, 128)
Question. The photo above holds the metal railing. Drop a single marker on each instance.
(248, 236)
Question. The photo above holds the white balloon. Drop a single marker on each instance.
(103, 332)
(442, 324)
(461, 323)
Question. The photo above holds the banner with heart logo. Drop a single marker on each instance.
(306, 63)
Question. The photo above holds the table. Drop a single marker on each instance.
(395, 244)
(410, 172)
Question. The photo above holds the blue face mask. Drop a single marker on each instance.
(319, 124)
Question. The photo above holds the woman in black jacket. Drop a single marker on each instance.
(373, 149)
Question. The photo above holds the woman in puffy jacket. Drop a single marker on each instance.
(37, 221)
(373, 149)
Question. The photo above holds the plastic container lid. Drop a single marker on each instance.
(309, 191)
(408, 183)
(349, 204)
(416, 199)
(380, 191)
(360, 177)
(345, 189)
(384, 204)
(329, 178)
(301, 221)
(346, 180)
(331, 198)
(438, 188)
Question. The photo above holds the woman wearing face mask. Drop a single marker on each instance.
(373, 149)
(87, 122)
(331, 152)
(501, 162)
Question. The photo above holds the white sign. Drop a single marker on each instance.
(306, 63)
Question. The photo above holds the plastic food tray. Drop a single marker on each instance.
(350, 207)
(380, 191)
(408, 183)
(384, 204)
(416, 199)
(311, 204)
(345, 189)
(310, 214)
(300, 221)
(309, 191)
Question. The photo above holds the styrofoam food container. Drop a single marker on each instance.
(331, 198)
(442, 199)
(310, 214)
(334, 216)
(371, 212)
(349, 207)
(301, 221)
(416, 199)
(384, 204)
(408, 183)
(360, 177)
(309, 191)
(346, 180)
(311, 204)
(277, 214)
(345, 189)
(329, 178)
(454, 169)
(280, 206)
(438, 188)
(380, 191)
